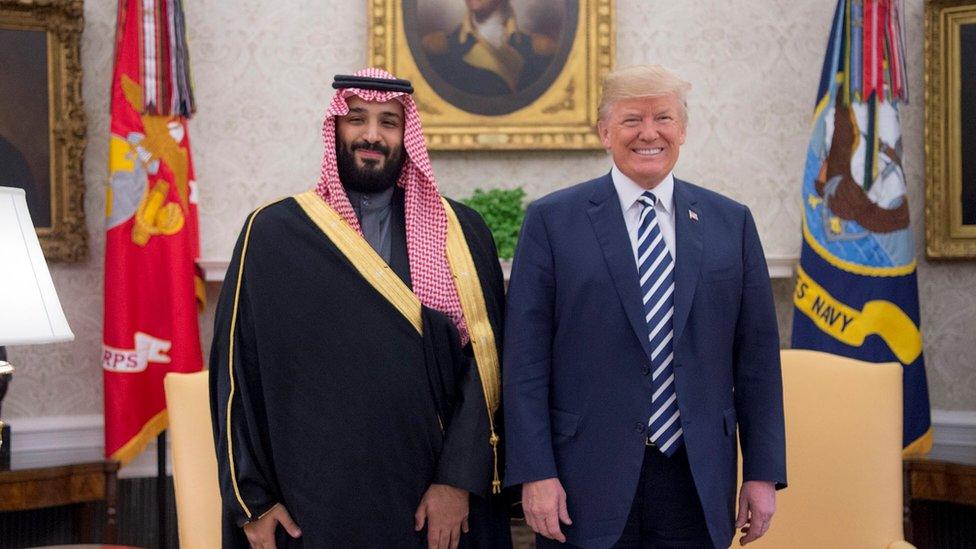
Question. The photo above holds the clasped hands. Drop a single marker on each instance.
(443, 509)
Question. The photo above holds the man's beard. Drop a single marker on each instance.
(368, 179)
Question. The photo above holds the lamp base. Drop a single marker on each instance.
(4, 446)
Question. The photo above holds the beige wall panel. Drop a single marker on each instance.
(263, 71)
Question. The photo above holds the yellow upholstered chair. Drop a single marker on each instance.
(194, 460)
(843, 455)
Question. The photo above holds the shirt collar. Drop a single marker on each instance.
(368, 203)
(628, 191)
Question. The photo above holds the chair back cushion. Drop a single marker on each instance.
(194, 460)
(843, 454)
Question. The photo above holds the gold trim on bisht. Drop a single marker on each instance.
(230, 359)
(379, 275)
(476, 315)
(363, 257)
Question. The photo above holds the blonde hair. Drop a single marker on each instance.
(642, 81)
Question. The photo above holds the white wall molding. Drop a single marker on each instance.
(780, 266)
(50, 440)
(213, 269)
(954, 428)
(65, 439)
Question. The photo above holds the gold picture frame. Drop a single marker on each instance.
(42, 118)
(950, 88)
(550, 101)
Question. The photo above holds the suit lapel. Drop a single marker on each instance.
(688, 245)
(611, 233)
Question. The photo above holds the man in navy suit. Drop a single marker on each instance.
(640, 336)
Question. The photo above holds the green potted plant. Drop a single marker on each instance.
(503, 211)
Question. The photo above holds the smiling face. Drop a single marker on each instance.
(369, 143)
(644, 136)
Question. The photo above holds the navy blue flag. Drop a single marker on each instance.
(856, 292)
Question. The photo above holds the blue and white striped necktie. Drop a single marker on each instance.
(655, 267)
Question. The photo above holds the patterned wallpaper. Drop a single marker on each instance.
(263, 70)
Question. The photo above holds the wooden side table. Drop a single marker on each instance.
(946, 474)
(77, 484)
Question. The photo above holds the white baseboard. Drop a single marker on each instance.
(50, 440)
(954, 428)
(65, 439)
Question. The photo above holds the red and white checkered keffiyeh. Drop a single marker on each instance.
(426, 220)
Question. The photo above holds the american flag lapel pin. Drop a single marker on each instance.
(692, 215)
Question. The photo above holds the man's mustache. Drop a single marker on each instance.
(375, 147)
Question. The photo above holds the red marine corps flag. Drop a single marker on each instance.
(152, 288)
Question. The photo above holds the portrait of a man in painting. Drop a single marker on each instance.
(42, 119)
(950, 136)
(25, 153)
(490, 57)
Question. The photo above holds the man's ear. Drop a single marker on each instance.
(603, 131)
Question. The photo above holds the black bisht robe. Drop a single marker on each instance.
(340, 410)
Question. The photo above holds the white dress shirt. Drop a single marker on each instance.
(628, 192)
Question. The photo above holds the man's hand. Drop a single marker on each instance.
(261, 532)
(445, 511)
(544, 503)
(757, 503)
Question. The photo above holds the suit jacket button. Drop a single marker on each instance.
(639, 427)
(646, 370)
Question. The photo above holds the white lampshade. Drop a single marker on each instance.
(30, 312)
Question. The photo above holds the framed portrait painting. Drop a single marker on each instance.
(499, 74)
(950, 129)
(42, 122)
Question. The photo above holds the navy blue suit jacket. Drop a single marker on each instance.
(577, 381)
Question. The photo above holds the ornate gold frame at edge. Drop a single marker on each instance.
(600, 49)
(67, 238)
(940, 158)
